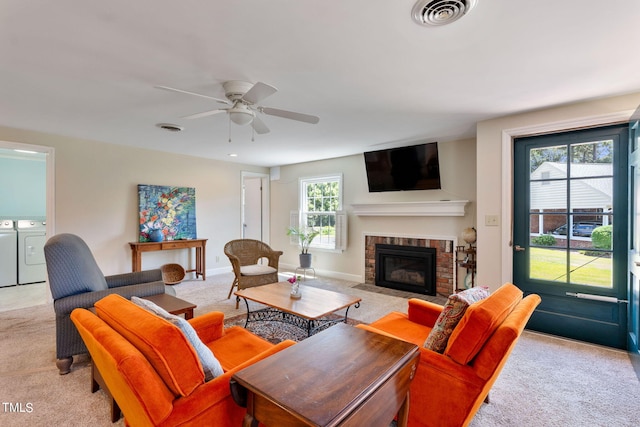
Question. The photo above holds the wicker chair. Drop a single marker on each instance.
(244, 255)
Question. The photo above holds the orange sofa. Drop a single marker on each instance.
(153, 372)
(449, 387)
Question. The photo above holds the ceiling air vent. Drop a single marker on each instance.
(169, 127)
(441, 12)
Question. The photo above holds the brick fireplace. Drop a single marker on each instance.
(444, 258)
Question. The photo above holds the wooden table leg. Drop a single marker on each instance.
(403, 412)
(203, 262)
(249, 421)
(136, 260)
(98, 383)
(198, 262)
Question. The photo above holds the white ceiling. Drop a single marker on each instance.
(376, 79)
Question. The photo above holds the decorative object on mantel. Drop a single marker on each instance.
(166, 213)
(305, 236)
(428, 208)
(296, 293)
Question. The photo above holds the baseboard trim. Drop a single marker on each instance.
(291, 268)
(635, 362)
(215, 271)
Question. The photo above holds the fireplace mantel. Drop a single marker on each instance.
(431, 208)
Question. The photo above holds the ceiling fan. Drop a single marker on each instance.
(242, 98)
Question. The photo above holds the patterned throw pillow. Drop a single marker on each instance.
(451, 314)
(210, 364)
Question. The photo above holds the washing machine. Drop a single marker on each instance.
(8, 253)
(32, 235)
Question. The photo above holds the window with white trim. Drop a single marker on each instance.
(321, 210)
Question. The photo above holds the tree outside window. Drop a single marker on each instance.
(320, 200)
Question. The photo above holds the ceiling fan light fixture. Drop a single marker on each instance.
(241, 115)
(243, 97)
(440, 12)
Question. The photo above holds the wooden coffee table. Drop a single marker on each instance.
(309, 312)
(343, 376)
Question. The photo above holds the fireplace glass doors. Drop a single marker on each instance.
(406, 268)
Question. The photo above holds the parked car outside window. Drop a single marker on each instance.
(580, 229)
(562, 230)
(583, 229)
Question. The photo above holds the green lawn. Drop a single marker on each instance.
(550, 264)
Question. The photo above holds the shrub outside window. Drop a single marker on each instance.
(321, 210)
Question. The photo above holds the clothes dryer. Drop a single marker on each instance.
(8, 253)
(32, 235)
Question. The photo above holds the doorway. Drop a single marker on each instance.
(570, 231)
(14, 297)
(255, 206)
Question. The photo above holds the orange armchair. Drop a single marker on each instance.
(449, 387)
(153, 372)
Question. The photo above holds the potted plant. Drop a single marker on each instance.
(306, 236)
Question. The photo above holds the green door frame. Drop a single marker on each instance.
(633, 336)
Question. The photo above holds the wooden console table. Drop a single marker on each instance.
(200, 244)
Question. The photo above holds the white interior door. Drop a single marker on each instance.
(255, 206)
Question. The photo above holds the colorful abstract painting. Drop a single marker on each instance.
(172, 210)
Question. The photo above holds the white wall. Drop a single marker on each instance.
(96, 192)
(96, 196)
(22, 192)
(494, 170)
(457, 168)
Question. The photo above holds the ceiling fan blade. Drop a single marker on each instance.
(290, 115)
(171, 89)
(205, 114)
(258, 92)
(259, 126)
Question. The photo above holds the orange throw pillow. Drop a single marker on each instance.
(480, 322)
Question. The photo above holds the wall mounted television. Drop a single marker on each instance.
(415, 167)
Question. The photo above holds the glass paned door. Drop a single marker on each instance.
(570, 213)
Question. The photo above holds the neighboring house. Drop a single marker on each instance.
(587, 195)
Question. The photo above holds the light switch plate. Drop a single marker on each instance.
(491, 220)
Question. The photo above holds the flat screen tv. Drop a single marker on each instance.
(406, 168)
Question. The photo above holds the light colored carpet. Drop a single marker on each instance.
(546, 382)
(398, 293)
